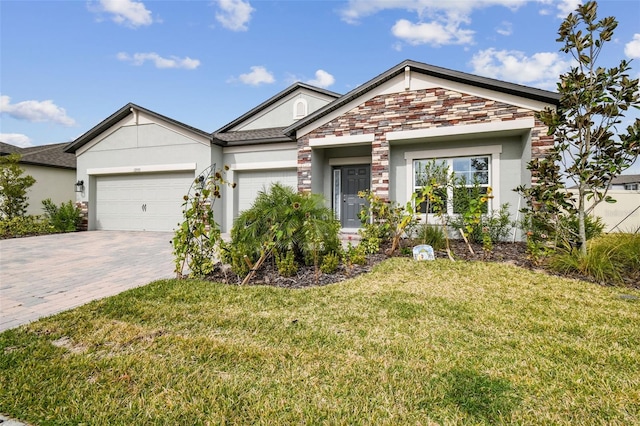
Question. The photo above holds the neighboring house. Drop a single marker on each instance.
(53, 169)
(626, 183)
(138, 164)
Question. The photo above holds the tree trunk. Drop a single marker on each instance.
(581, 228)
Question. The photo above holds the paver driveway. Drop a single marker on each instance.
(41, 276)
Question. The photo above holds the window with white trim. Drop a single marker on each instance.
(466, 171)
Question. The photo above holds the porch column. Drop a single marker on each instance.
(304, 165)
(380, 166)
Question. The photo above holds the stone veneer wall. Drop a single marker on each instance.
(420, 109)
(84, 215)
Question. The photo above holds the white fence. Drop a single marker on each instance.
(623, 215)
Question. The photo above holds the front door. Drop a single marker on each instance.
(353, 180)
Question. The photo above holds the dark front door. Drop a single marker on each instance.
(354, 180)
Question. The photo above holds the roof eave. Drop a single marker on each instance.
(119, 115)
(244, 142)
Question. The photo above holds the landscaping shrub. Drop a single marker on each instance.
(385, 222)
(287, 266)
(65, 218)
(330, 263)
(431, 235)
(283, 220)
(354, 255)
(22, 226)
(611, 259)
(593, 226)
(480, 226)
(546, 233)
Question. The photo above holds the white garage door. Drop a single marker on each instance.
(249, 183)
(149, 202)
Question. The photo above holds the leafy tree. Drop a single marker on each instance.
(593, 100)
(13, 187)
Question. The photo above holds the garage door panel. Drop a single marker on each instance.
(252, 182)
(150, 202)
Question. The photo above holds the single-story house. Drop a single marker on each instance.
(137, 164)
(52, 167)
(626, 183)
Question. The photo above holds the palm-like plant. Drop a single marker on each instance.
(282, 220)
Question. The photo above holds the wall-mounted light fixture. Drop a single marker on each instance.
(80, 186)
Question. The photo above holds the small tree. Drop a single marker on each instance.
(13, 187)
(588, 143)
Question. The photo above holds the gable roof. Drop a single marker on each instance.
(52, 155)
(444, 73)
(225, 136)
(119, 115)
(272, 100)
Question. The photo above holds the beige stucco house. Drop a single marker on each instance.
(138, 164)
(53, 169)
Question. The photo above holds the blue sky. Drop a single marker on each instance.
(67, 65)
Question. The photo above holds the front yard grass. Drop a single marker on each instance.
(411, 343)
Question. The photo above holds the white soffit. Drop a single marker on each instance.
(333, 141)
(460, 130)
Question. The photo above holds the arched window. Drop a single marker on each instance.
(299, 108)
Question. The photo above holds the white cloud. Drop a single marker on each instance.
(505, 28)
(125, 12)
(159, 62)
(323, 79)
(433, 33)
(565, 7)
(35, 111)
(16, 139)
(438, 21)
(234, 14)
(541, 69)
(258, 75)
(632, 49)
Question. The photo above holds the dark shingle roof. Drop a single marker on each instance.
(6, 149)
(622, 179)
(52, 155)
(119, 115)
(274, 134)
(444, 73)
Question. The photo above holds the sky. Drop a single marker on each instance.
(67, 65)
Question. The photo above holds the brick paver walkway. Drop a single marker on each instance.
(41, 276)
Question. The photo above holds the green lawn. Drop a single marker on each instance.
(411, 343)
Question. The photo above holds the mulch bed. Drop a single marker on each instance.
(510, 253)
(514, 253)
